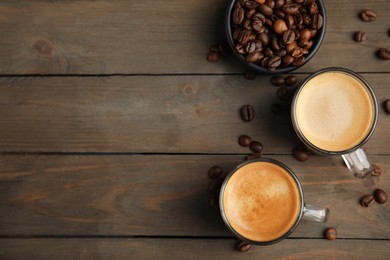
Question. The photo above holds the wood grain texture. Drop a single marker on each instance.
(171, 114)
(188, 249)
(163, 195)
(121, 36)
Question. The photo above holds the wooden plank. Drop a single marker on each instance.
(105, 37)
(188, 249)
(195, 114)
(163, 195)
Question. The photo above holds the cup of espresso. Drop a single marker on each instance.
(334, 112)
(261, 202)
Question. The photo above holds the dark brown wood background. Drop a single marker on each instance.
(111, 117)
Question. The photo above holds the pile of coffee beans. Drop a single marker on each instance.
(255, 146)
(275, 33)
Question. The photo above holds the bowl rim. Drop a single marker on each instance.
(319, 38)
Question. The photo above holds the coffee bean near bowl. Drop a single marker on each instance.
(275, 36)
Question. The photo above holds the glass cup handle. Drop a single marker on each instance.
(315, 213)
(358, 163)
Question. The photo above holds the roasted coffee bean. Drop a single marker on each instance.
(288, 36)
(275, 44)
(359, 36)
(258, 17)
(268, 23)
(386, 105)
(287, 60)
(368, 15)
(244, 36)
(236, 33)
(256, 147)
(291, 80)
(299, 1)
(270, 3)
(312, 8)
(299, 61)
(215, 172)
(250, 47)
(383, 53)
(305, 34)
(247, 113)
(290, 8)
(380, 196)
(215, 185)
(245, 140)
(252, 156)
(367, 201)
(274, 61)
(238, 15)
(281, 53)
(280, 26)
(258, 26)
(240, 48)
(213, 56)
(330, 233)
(283, 93)
(279, 14)
(265, 9)
(298, 18)
(376, 170)
(247, 24)
(263, 38)
(268, 52)
(290, 47)
(254, 56)
(264, 62)
(306, 19)
(249, 13)
(300, 154)
(289, 21)
(316, 21)
(279, 3)
(277, 80)
(251, 4)
(244, 247)
(297, 52)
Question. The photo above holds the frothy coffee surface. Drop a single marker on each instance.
(261, 201)
(334, 111)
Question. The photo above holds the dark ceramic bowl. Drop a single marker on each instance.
(317, 41)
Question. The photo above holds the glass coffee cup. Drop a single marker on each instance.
(261, 202)
(334, 112)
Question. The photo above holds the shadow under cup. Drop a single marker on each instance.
(334, 112)
(261, 202)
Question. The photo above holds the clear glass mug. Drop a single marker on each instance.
(335, 112)
(269, 202)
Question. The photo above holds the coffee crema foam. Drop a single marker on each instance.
(261, 201)
(334, 111)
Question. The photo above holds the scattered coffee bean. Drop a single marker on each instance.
(330, 233)
(245, 140)
(387, 106)
(256, 147)
(215, 172)
(291, 80)
(380, 196)
(277, 80)
(359, 36)
(383, 53)
(283, 93)
(368, 15)
(253, 156)
(301, 153)
(215, 185)
(376, 170)
(247, 113)
(244, 247)
(213, 57)
(367, 201)
(250, 74)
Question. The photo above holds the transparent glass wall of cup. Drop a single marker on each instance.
(354, 157)
(306, 211)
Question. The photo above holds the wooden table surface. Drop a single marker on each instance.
(111, 117)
